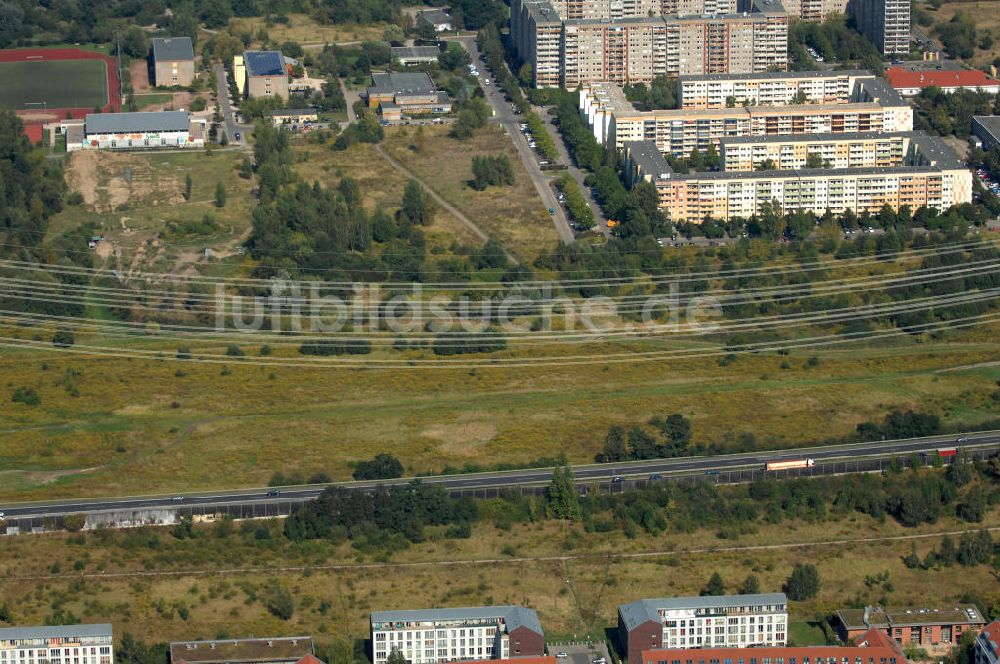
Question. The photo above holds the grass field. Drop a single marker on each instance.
(148, 426)
(303, 29)
(59, 83)
(119, 576)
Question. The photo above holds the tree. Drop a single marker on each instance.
(947, 553)
(751, 585)
(63, 338)
(135, 42)
(188, 183)
(280, 603)
(220, 195)
(382, 467)
(803, 582)
(74, 522)
(716, 586)
(393, 33)
(562, 498)
(677, 430)
(767, 165)
(614, 446)
(641, 445)
(396, 657)
(973, 508)
(814, 160)
(417, 206)
(975, 548)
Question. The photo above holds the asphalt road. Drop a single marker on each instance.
(508, 479)
(228, 119)
(503, 114)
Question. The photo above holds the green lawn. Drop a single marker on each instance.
(144, 100)
(806, 634)
(57, 83)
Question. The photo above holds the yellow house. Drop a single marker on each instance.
(240, 74)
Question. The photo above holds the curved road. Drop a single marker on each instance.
(515, 478)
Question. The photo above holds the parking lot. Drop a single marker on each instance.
(582, 653)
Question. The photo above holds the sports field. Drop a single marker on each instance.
(57, 83)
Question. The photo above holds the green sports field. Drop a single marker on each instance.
(58, 83)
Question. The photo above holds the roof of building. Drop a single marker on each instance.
(401, 83)
(407, 52)
(111, 123)
(544, 659)
(264, 63)
(838, 653)
(991, 635)
(876, 616)
(943, 78)
(54, 631)
(643, 610)
(285, 112)
(168, 49)
(434, 16)
(543, 11)
(991, 123)
(776, 75)
(647, 157)
(513, 616)
(242, 650)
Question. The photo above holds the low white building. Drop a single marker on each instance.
(62, 644)
(134, 131)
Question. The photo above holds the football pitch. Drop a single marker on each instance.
(38, 84)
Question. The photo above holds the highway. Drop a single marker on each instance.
(586, 474)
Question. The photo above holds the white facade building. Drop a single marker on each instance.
(134, 131)
(62, 644)
(449, 635)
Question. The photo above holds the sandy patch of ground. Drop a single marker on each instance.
(108, 181)
(139, 74)
(461, 439)
(47, 476)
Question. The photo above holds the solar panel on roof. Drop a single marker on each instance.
(264, 63)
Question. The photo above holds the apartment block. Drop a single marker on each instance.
(60, 644)
(769, 89)
(632, 41)
(615, 121)
(430, 636)
(814, 10)
(885, 22)
(928, 174)
(270, 650)
(737, 621)
(871, 648)
(264, 74)
(173, 61)
(987, 650)
(861, 150)
(926, 627)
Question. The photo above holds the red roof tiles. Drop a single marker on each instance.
(941, 78)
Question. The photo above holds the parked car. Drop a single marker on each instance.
(561, 654)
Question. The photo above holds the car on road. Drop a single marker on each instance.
(655, 477)
(486, 81)
(960, 439)
(236, 135)
(273, 492)
(552, 210)
(561, 654)
(177, 499)
(617, 478)
(1, 515)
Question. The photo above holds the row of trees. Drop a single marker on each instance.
(638, 444)
(492, 170)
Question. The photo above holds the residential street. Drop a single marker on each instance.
(510, 121)
(228, 118)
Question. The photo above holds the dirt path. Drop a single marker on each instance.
(138, 73)
(606, 555)
(458, 214)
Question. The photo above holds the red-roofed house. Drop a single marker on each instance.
(988, 644)
(872, 647)
(909, 83)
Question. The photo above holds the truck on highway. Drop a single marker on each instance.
(789, 464)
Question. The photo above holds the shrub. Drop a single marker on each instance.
(27, 396)
(382, 467)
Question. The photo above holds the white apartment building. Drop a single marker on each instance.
(62, 644)
(615, 121)
(769, 89)
(431, 636)
(862, 150)
(732, 621)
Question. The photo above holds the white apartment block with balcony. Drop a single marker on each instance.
(61, 644)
